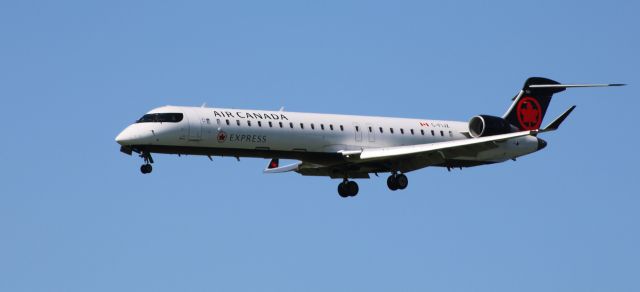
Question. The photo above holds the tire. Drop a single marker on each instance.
(146, 168)
(342, 190)
(402, 181)
(352, 188)
(392, 183)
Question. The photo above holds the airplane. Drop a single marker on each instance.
(349, 147)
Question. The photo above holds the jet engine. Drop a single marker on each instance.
(485, 125)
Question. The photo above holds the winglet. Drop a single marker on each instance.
(556, 123)
(274, 166)
(274, 163)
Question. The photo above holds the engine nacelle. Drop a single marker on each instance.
(484, 125)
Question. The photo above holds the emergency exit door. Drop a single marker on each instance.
(358, 132)
(195, 128)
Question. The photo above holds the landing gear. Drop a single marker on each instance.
(146, 167)
(391, 183)
(397, 182)
(348, 188)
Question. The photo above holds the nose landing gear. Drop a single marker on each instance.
(348, 188)
(397, 182)
(146, 167)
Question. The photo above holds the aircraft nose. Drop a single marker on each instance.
(541, 144)
(126, 137)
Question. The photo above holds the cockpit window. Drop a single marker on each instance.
(161, 118)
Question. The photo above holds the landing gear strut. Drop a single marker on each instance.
(348, 188)
(146, 167)
(397, 182)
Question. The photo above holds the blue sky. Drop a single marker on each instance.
(76, 215)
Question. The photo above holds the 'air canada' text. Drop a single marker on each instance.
(248, 115)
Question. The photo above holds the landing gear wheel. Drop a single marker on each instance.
(397, 182)
(341, 190)
(348, 189)
(392, 183)
(146, 168)
(402, 181)
(352, 188)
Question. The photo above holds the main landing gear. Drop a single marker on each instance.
(397, 182)
(348, 188)
(146, 167)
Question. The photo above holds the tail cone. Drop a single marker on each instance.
(541, 144)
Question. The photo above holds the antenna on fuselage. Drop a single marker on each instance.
(281, 109)
(204, 104)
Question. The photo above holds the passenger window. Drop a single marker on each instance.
(391, 130)
(259, 123)
(450, 134)
(402, 131)
(433, 133)
(370, 129)
(270, 124)
(301, 126)
(422, 132)
(312, 127)
(357, 128)
(411, 131)
(341, 128)
(228, 122)
(291, 125)
(280, 124)
(381, 130)
(331, 127)
(249, 123)
(322, 127)
(442, 133)
(217, 122)
(238, 123)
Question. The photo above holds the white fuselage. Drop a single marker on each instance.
(276, 134)
(345, 146)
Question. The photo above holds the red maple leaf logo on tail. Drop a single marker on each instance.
(529, 113)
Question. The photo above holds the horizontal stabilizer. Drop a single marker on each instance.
(556, 123)
(530, 105)
(573, 85)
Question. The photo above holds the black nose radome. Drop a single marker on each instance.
(541, 144)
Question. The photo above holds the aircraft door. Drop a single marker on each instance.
(195, 127)
(371, 133)
(358, 132)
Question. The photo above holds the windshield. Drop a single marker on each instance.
(161, 118)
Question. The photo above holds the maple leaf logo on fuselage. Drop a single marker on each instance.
(222, 136)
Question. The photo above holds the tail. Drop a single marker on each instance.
(530, 105)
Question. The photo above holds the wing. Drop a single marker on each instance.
(359, 163)
(421, 149)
